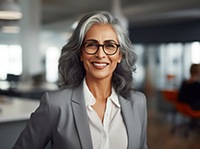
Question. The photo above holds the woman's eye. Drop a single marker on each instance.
(90, 45)
(110, 45)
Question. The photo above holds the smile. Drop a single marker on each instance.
(100, 64)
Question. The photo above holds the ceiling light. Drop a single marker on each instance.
(10, 10)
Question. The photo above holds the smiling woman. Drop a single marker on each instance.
(96, 100)
(101, 63)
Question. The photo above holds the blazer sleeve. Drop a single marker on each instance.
(37, 132)
(143, 115)
(140, 107)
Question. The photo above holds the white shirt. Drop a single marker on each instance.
(112, 133)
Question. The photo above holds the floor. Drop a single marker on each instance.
(160, 136)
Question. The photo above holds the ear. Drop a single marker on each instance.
(120, 58)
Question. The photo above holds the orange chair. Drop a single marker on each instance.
(193, 115)
(170, 95)
(184, 109)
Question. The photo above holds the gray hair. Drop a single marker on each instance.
(71, 69)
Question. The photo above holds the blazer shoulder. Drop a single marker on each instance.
(60, 92)
(58, 96)
(137, 97)
(137, 94)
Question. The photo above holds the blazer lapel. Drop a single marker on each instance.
(130, 122)
(81, 118)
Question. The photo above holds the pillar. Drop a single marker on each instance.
(30, 38)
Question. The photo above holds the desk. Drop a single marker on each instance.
(13, 117)
(16, 109)
(26, 89)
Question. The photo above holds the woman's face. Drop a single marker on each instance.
(100, 65)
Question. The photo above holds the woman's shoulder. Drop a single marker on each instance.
(60, 92)
(138, 102)
(137, 94)
(137, 97)
(58, 95)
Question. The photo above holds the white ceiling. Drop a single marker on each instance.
(138, 12)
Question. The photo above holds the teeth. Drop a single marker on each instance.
(100, 65)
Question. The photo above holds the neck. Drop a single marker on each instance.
(194, 78)
(101, 89)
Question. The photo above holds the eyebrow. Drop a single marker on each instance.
(106, 41)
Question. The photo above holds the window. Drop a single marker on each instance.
(10, 60)
(196, 52)
(52, 56)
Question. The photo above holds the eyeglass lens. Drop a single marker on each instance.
(108, 48)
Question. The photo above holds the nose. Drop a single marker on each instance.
(100, 53)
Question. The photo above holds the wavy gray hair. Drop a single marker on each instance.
(71, 69)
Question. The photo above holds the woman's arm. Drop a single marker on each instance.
(37, 132)
(144, 124)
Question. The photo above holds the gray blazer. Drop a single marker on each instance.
(62, 119)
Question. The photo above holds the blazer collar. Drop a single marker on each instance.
(130, 122)
(80, 115)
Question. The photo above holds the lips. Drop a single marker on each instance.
(99, 65)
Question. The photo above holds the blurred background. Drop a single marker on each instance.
(165, 36)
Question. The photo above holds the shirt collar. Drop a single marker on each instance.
(90, 99)
(114, 98)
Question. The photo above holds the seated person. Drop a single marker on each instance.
(190, 89)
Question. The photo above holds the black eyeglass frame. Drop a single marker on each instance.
(101, 45)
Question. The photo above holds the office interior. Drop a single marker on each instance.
(165, 36)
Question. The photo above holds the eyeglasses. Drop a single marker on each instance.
(108, 48)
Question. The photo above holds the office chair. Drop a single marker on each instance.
(193, 115)
(171, 96)
(183, 109)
